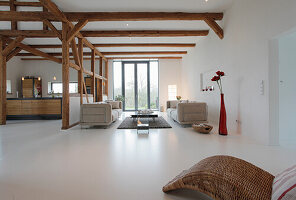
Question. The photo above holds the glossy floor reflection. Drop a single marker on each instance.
(38, 161)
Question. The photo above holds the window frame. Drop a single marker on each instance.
(176, 92)
(51, 86)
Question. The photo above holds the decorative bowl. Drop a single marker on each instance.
(202, 128)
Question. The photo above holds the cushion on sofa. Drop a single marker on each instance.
(114, 104)
(284, 185)
(174, 115)
(184, 101)
(173, 104)
(169, 110)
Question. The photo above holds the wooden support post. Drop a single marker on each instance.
(100, 90)
(93, 78)
(2, 85)
(45, 27)
(107, 77)
(13, 8)
(65, 75)
(80, 73)
(85, 90)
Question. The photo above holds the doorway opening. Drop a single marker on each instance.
(283, 90)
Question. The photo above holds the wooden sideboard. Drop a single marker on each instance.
(34, 108)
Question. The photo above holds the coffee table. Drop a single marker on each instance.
(137, 116)
(144, 126)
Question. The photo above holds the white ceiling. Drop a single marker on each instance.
(132, 6)
(144, 5)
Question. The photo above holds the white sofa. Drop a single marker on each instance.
(99, 113)
(186, 112)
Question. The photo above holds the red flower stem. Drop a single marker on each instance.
(221, 86)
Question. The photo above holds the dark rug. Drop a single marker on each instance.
(130, 123)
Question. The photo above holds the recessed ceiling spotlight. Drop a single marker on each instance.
(126, 24)
(206, 0)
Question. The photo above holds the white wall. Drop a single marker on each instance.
(14, 67)
(243, 55)
(169, 74)
(74, 107)
(287, 72)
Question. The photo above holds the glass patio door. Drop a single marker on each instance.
(129, 84)
(136, 85)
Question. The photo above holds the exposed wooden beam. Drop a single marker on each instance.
(216, 28)
(29, 4)
(4, 3)
(153, 33)
(27, 16)
(13, 53)
(91, 46)
(76, 29)
(65, 78)
(13, 44)
(53, 28)
(75, 52)
(29, 33)
(2, 85)
(146, 33)
(80, 73)
(96, 75)
(107, 76)
(13, 8)
(54, 9)
(85, 91)
(123, 58)
(45, 26)
(57, 46)
(88, 72)
(117, 53)
(37, 52)
(104, 16)
(93, 78)
(100, 86)
(74, 66)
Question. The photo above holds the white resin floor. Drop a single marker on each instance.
(38, 161)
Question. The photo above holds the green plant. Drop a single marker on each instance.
(119, 98)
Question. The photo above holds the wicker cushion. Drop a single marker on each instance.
(284, 185)
(225, 178)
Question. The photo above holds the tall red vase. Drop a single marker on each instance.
(222, 121)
